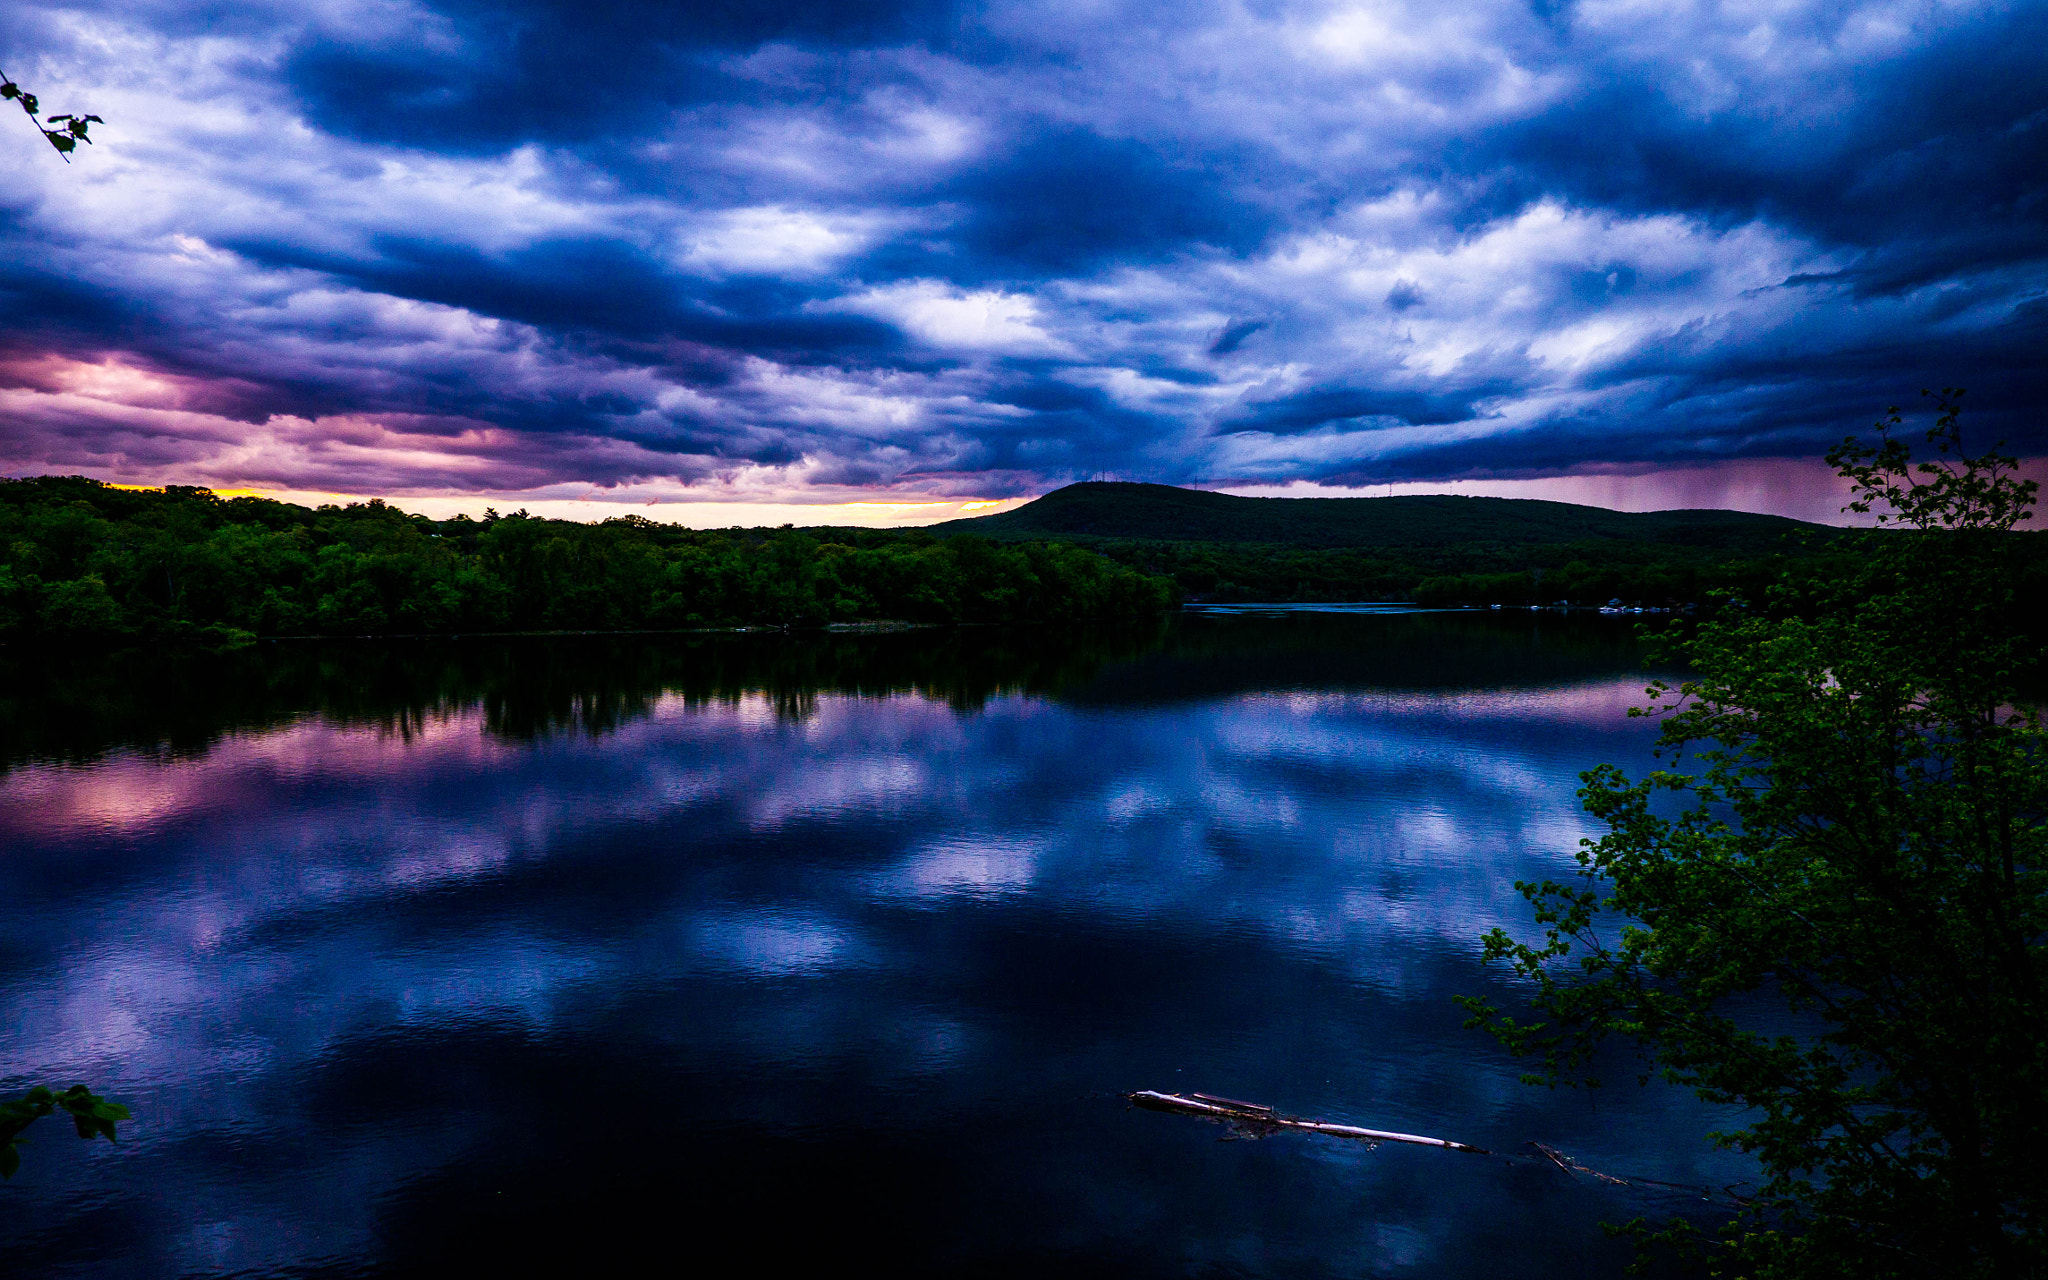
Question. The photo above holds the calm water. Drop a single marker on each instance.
(761, 952)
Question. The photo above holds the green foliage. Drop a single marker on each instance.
(1836, 917)
(71, 129)
(92, 1115)
(81, 560)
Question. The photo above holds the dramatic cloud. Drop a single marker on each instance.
(830, 250)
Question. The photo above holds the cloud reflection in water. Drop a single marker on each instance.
(340, 972)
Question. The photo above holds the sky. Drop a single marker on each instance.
(890, 262)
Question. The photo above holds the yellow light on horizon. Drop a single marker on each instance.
(218, 493)
(590, 506)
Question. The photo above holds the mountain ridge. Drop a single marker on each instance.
(1129, 511)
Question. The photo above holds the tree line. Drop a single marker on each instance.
(1654, 584)
(80, 559)
(1464, 574)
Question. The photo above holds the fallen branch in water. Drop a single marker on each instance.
(1259, 1120)
(1573, 1167)
(1251, 1115)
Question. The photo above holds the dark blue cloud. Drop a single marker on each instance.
(1234, 335)
(1927, 162)
(1404, 295)
(608, 292)
(569, 74)
(1071, 200)
(1307, 410)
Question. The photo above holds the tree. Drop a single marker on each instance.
(70, 130)
(1831, 909)
(92, 1115)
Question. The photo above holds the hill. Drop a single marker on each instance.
(1439, 549)
(1163, 513)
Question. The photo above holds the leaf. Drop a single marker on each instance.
(10, 1160)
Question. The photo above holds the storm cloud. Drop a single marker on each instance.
(828, 249)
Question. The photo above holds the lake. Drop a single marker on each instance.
(782, 951)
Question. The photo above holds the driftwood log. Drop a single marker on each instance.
(1256, 1119)
(1251, 1115)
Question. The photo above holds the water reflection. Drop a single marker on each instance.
(56, 706)
(813, 957)
(59, 707)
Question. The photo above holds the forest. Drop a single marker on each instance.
(82, 560)
(1451, 577)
